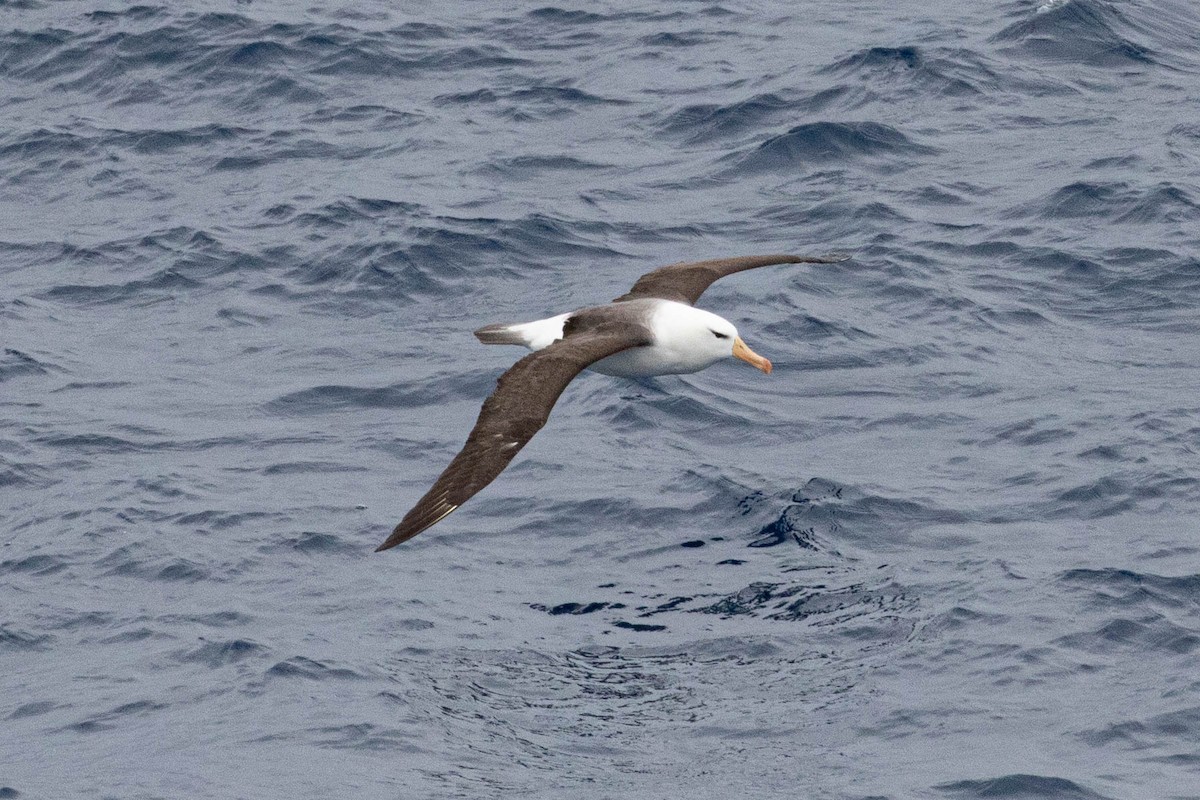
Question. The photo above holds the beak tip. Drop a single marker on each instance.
(740, 350)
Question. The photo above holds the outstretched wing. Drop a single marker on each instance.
(684, 283)
(517, 409)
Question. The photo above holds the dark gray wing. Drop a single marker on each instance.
(684, 283)
(517, 409)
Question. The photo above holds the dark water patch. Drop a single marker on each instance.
(535, 167)
(1029, 432)
(13, 639)
(165, 487)
(112, 719)
(450, 255)
(311, 669)
(1069, 267)
(1164, 202)
(136, 13)
(34, 565)
(879, 59)
(164, 141)
(640, 627)
(127, 562)
(939, 196)
(134, 636)
(1102, 453)
(1182, 142)
(1083, 199)
(254, 63)
(214, 654)
(824, 512)
(829, 143)
(1152, 633)
(414, 624)
(1118, 201)
(821, 605)
(34, 709)
(1090, 32)
(1181, 726)
(1123, 589)
(1118, 163)
(431, 391)
(168, 262)
(365, 737)
(912, 69)
(1020, 787)
(560, 96)
(89, 385)
(314, 543)
(82, 621)
(702, 123)
(43, 149)
(91, 443)
(214, 520)
(318, 467)
(575, 609)
(675, 409)
(345, 213)
(835, 214)
(531, 104)
(163, 283)
(919, 422)
(1094, 500)
(15, 364)
(682, 39)
(960, 620)
(270, 149)
(367, 117)
(209, 619)
(803, 327)
(565, 16)
(419, 32)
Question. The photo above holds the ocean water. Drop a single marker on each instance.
(949, 548)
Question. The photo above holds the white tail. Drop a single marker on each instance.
(534, 335)
(501, 334)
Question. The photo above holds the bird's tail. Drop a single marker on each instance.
(534, 335)
(502, 334)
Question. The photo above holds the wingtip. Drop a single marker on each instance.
(398, 535)
(828, 258)
(389, 542)
(407, 528)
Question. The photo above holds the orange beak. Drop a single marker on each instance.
(749, 356)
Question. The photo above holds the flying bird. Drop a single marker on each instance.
(651, 330)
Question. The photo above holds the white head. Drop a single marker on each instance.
(700, 338)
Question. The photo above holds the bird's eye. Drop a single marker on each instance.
(720, 335)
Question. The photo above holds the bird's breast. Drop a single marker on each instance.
(648, 361)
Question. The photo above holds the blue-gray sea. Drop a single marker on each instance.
(949, 549)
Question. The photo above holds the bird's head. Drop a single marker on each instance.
(710, 337)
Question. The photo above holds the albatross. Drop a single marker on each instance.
(653, 329)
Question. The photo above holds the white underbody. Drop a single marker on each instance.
(684, 341)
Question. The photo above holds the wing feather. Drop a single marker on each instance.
(684, 283)
(516, 410)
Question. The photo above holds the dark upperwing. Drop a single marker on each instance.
(516, 410)
(684, 283)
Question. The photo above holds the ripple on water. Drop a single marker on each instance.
(820, 143)
(1021, 787)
